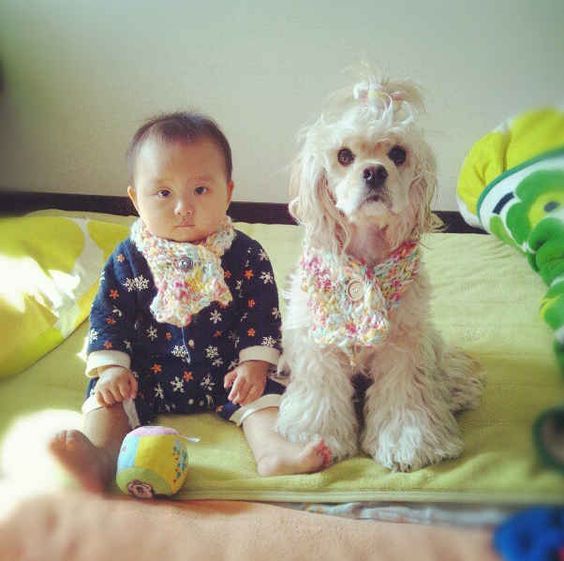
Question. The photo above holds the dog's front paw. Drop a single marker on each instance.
(411, 448)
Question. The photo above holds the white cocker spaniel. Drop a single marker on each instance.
(359, 300)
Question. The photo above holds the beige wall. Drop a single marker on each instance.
(80, 76)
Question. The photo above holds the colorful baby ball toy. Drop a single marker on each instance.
(153, 461)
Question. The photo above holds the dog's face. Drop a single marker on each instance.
(364, 162)
(370, 177)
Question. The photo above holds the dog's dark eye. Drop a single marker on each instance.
(345, 157)
(398, 155)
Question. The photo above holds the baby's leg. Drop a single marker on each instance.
(91, 456)
(274, 455)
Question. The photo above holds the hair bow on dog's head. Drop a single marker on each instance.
(373, 95)
(387, 101)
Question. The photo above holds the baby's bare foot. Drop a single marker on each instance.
(294, 459)
(89, 465)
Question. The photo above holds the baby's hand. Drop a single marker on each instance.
(248, 381)
(116, 383)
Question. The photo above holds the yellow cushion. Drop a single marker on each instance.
(509, 145)
(49, 274)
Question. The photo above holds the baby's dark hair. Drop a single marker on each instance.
(182, 126)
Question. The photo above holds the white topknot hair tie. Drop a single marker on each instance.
(372, 96)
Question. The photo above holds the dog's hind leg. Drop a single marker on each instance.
(465, 379)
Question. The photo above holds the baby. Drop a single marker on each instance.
(186, 318)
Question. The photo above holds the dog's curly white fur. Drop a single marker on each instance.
(362, 185)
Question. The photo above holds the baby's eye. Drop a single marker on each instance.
(163, 193)
(201, 190)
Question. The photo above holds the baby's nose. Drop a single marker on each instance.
(184, 208)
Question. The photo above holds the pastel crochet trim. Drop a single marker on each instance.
(188, 277)
(349, 300)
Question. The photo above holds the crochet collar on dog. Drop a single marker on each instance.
(350, 300)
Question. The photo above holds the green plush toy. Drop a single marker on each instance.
(512, 185)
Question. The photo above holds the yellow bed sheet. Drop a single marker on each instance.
(485, 300)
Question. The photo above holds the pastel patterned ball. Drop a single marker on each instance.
(153, 461)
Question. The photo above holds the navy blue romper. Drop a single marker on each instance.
(181, 370)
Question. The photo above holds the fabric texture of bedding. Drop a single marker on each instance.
(484, 300)
(70, 527)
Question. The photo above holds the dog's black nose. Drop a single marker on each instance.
(375, 176)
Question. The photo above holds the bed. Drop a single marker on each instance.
(485, 300)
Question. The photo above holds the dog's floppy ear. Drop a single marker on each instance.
(311, 203)
(308, 182)
(407, 100)
(417, 218)
(422, 191)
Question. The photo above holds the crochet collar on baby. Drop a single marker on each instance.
(188, 276)
(349, 300)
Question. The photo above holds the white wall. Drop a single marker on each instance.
(81, 75)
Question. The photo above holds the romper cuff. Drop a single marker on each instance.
(259, 352)
(264, 402)
(97, 360)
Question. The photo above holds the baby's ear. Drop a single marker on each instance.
(230, 187)
(132, 194)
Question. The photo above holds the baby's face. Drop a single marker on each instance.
(181, 190)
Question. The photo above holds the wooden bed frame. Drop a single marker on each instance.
(21, 202)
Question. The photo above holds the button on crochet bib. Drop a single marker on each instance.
(349, 300)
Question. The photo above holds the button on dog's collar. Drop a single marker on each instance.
(354, 290)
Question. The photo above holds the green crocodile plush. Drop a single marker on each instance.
(512, 185)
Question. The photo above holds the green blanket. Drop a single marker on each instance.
(484, 300)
